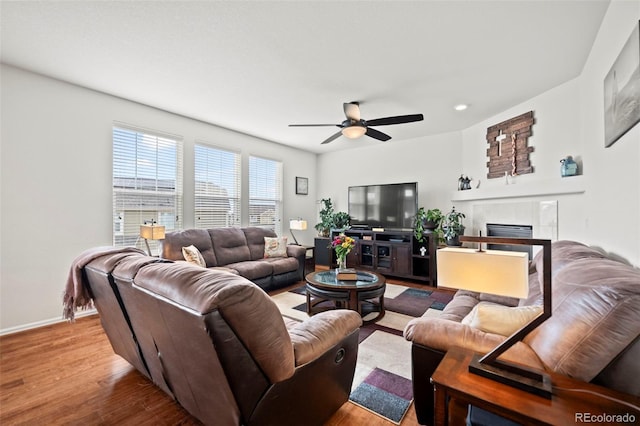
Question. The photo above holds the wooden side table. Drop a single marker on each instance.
(573, 401)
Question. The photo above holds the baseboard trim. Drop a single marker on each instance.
(30, 326)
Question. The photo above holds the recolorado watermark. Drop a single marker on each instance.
(604, 418)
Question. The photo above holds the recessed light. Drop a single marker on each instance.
(461, 107)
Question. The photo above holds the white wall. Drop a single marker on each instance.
(433, 162)
(613, 198)
(56, 183)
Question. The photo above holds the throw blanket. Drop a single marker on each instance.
(76, 294)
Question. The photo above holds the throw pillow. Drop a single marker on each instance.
(275, 247)
(192, 255)
(499, 319)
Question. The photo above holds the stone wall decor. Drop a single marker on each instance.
(508, 150)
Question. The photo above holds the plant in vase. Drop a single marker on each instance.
(341, 220)
(326, 218)
(452, 227)
(343, 245)
(427, 221)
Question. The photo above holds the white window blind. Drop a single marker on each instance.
(147, 184)
(217, 187)
(265, 193)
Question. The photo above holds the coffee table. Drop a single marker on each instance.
(359, 295)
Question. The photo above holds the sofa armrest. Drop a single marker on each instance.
(294, 250)
(316, 335)
(442, 334)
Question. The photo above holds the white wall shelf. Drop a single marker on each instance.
(559, 186)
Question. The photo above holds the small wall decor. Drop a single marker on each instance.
(508, 151)
(302, 185)
(622, 91)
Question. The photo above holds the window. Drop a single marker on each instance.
(217, 187)
(265, 194)
(147, 184)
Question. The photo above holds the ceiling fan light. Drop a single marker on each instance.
(354, 132)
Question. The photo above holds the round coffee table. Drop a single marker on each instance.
(358, 295)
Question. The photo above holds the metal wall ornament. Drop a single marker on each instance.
(508, 150)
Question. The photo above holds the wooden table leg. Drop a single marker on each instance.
(440, 406)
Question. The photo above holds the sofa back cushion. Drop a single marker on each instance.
(230, 245)
(255, 240)
(242, 304)
(200, 238)
(595, 316)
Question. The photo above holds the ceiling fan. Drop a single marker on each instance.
(354, 126)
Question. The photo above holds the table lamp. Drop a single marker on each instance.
(297, 225)
(151, 232)
(502, 273)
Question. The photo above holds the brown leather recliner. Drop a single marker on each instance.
(593, 335)
(218, 344)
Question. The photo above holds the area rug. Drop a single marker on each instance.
(382, 381)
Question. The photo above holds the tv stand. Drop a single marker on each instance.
(393, 253)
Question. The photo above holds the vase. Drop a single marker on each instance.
(342, 262)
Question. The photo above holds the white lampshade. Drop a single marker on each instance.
(504, 273)
(354, 132)
(152, 232)
(298, 224)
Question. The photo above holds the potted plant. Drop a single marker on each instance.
(341, 220)
(427, 221)
(326, 218)
(452, 227)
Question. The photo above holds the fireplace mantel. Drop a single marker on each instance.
(559, 186)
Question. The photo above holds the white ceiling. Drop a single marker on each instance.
(257, 66)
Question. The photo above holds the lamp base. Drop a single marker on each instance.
(519, 377)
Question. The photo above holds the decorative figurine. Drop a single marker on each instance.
(569, 167)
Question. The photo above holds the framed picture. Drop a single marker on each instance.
(302, 185)
(622, 91)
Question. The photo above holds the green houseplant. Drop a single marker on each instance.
(452, 227)
(326, 218)
(341, 220)
(426, 221)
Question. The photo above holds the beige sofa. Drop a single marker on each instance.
(240, 251)
(593, 335)
(215, 342)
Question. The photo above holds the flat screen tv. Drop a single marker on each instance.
(390, 206)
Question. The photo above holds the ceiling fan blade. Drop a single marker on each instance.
(376, 134)
(313, 125)
(352, 110)
(332, 138)
(399, 119)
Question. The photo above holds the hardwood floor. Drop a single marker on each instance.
(68, 374)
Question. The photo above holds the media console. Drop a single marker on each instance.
(393, 253)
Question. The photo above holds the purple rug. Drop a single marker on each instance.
(384, 393)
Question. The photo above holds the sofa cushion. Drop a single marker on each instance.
(500, 319)
(255, 240)
(230, 245)
(562, 254)
(192, 255)
(199, 238)
(595, 317)
(253, 269)
(282, 265)
(275, 247)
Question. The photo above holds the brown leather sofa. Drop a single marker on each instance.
(241, 251)
(593, 335)
(217, 343)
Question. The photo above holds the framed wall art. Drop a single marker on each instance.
(622, 91)
(302, 185)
